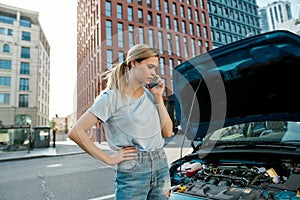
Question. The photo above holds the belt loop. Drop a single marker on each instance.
(151, 155)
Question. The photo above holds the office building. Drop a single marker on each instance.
(232, 20)
(178, 29)
(24, 68)
(274, 14)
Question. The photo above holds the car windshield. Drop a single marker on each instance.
(266, 131)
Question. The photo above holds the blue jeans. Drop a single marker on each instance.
(144, 178)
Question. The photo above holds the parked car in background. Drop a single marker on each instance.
(240, 107)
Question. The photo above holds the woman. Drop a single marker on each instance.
(135, 121)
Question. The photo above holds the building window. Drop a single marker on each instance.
(140, 2)
(25, 23)
(9, 32)
(131, 35)
(7, 19)
(26, 36)
(108, 8)
(4, 98)
(174, 7)
(193, 46)
(166, 4)
(185, 47)
(130, 14)
(109, 58)
(119, 11)
(150, 20)
(162, 65)
(157, 4)
(168, 23)
(159, 21)
(108, 33)
(4, 81)
(183, 27)
(24, 68)
(141, 35)
(5, 64)
(6, 48)
(160, 42)
(25, 52)
(190, 16)
(24, 84)
(121, 56)
(196, 15)
(151, 38)
(140, 15)
(205, 32)
(149, 4)
(120, 35)
(198, 30)
(176, 25)
(182, 12)
(2, 31)
(203, 18)
(177, 42)
(171, 65)
(191, 29)
(169, 42)
(23, 100)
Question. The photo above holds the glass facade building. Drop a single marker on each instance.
(232, 20)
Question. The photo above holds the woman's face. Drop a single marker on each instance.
(145, 70)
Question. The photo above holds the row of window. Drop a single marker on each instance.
(158, 3)
(151, 38)
(23, 99)
(190, 16)
(223, 8)
(236, 16)
(25, 51)
(23, 85)
(231, 26)
(24, 67)
(26, 36)
(9, 19)
(130, 16)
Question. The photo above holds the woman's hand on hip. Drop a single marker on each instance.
(126, 153)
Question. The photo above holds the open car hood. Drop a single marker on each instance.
(252, 79)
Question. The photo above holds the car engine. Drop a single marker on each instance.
(235, 180)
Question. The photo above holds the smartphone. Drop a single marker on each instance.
(153, 83)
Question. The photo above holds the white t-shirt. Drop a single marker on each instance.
(129, 121)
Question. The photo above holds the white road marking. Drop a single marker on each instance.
(55, 165)
(104, 197)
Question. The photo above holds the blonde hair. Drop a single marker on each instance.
(117, 77)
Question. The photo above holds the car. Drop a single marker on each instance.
(239, 107)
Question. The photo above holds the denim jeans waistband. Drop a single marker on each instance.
(151, 154)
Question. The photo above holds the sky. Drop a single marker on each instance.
(58, 19)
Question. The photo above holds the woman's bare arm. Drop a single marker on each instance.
(79, 134)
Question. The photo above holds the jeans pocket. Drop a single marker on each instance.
(127, 166)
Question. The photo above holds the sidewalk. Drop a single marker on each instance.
(61, 148)
(69, 148)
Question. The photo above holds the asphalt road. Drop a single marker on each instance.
(73, 177)
(76, 177)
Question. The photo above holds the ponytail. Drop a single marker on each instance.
(117, 77)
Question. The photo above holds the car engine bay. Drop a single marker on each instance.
(233, 179)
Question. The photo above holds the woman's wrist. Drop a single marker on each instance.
(159, 99)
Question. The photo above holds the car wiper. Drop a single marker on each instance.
(294, 142)
(288, 145)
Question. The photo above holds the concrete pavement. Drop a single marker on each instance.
(68, 147)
